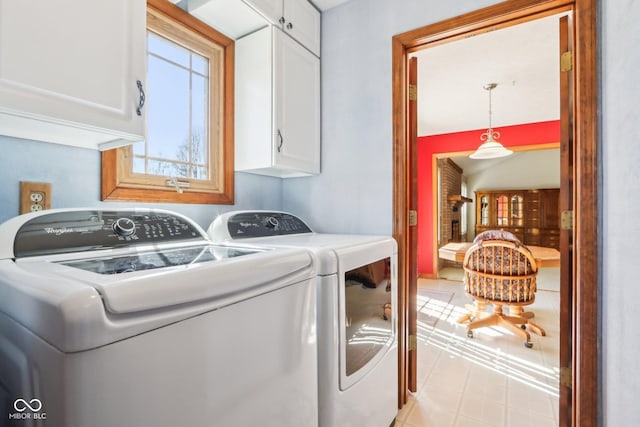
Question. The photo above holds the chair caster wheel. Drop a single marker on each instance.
(470, 334)
(528, 344)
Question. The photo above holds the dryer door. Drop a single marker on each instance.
(367, 314)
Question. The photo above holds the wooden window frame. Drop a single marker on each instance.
(119, 183)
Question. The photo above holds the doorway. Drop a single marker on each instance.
(579, 394)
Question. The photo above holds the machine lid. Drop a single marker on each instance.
(80, 230)
(80, 307)
(211, 277)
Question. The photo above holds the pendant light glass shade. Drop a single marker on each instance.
(490, 149)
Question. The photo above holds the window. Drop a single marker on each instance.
(187, 156)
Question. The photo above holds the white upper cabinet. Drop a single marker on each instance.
(237, 18)
(277, 106)
(69, 71)
(297, 115)
(298, 18)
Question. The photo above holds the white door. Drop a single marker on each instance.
(297, 144)
(302, 22)
(73, 62)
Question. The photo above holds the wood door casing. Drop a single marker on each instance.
(585, 381)
(412, 321)
(566, 204)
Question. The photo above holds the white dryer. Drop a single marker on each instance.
(133, 318)
(357, 319)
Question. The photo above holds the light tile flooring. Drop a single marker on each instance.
(491, 379)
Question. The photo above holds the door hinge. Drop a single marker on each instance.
(566, 61)
(413, 342)
(566, 376)
(566, 220)
(413, 93)
(413, 218)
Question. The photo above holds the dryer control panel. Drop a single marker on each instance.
(85, 230)
(248, 224)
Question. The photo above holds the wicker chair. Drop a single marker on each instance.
(499, 270)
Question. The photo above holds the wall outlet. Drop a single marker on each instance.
(34, 196)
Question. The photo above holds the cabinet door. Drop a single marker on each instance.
(254, 101)
(501, 205)
(482, 211)
(72, 64)
(551, 212)
(516, 209)
(302, 22)
(297, 119)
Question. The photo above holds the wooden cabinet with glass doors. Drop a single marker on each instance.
(531, 215)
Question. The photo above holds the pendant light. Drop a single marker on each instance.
(490, 149)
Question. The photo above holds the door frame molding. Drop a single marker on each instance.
(585, 404)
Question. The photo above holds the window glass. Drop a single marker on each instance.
(187, 155)
(157, 45)
(176, 142)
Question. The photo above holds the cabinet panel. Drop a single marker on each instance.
(297, 107)
(254, 107)
(483, 207)
(238, 18)
(277, 106)
(72, 79)
(302, 22)
(551, 214)
(531, 215)
(533, 237)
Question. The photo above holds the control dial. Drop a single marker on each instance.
(124, 227)
(272, 222)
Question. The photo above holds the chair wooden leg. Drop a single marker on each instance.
(511, 323)
(537, 329)
(476, 311)
(516, 310)
(491, 320)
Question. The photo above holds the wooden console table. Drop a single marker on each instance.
(545, 257)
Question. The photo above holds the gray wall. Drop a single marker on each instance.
(620, 118)
(75, 177)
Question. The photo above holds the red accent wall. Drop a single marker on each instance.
(468, 141)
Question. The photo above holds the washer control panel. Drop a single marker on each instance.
(244, 225)
(84, 230)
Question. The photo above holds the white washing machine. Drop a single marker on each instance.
(133, 318)
(357, 319)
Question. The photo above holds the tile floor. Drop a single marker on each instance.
(490, 380)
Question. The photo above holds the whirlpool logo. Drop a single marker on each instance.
(28, 410)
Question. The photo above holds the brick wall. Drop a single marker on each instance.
(451, 184)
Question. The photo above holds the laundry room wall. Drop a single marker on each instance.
(74, 174)
(354, 192)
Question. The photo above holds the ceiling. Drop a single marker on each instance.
(522, 59)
